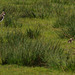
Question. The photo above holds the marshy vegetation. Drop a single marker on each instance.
(33, 33)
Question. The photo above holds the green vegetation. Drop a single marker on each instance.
(17, 70)
(36, 33)
(66, 22)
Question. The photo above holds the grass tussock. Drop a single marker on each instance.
(33, 33)
(16, 48)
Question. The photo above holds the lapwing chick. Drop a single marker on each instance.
(2, 16)
(70, 40)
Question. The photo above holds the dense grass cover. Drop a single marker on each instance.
(33, 42)
(16, 48)
(66, 22)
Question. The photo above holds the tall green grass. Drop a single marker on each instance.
(26, 48)
(16, 48)
(34, 9)
(66, 22)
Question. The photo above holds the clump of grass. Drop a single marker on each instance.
(33, 33)
(16, 48)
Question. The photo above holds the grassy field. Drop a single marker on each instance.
(20, 70)
(36, 33)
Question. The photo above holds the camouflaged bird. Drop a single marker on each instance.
(2, 16)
